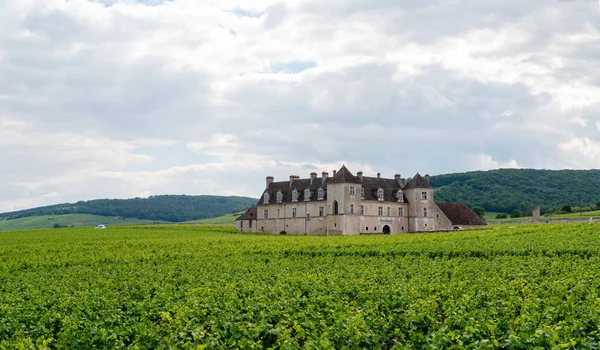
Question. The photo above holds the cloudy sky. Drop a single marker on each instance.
(118, 99)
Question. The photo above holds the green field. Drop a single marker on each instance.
(77, 220)
(187, 286)
(228, 219)
(585, 215)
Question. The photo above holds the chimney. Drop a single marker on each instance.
(313, 176)
(359, 174)
(334, 172)
(426, 177)
(324, 176)
(292, 178)
(269, 180)
(379, 175)
(398, 179)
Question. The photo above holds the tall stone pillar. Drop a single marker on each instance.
(536, 215)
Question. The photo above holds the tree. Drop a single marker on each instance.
(479, 211)
(501, 216)
(516, 214)
(566, 208)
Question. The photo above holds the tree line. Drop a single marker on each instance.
(174, 208)
(512, 190)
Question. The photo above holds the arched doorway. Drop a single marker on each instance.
(335, 207)
(386, 230)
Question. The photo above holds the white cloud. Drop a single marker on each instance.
(486, 162)
(128, 99)
(581, 153)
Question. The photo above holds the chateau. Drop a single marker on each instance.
(346, 204)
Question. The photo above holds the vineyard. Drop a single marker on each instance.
(209, 287)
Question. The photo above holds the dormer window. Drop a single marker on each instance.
(380, 194)
(306, 195)
(266, 198)
(294, 195)
(279, 197)
(400, 196)
(320, 194)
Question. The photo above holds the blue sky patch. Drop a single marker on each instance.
(292, 67)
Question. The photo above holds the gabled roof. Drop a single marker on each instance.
(460, 214)
(249, 214)
(418, 182)
(343, 176)
(299, 185)
(372, 184)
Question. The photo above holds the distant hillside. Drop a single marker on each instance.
(507, 189)
(174, 208)
(68, 220)
(227, 219)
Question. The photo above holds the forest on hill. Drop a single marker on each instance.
(505, 190)
(174, 208)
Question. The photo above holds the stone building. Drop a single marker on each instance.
(347, 204)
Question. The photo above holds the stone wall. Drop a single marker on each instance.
(418, 222)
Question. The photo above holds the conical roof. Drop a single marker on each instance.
(344, 176)
(418, 182)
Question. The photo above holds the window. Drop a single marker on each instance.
(424, 195)
(400, 211)
(351, 208)
(400, 196)
(362, 210)
(294, 195)
(335, 207)
(250, 224)
(321, 211)
(307, 217)
(266, 198)
(380, 194)
(388, 211)
(278, 213)
(367, 228)
(380, 211)
(352, 190)
(294, 211)
(279, 197)
(362, 192)
(320, 193)
(241, 224)
(424, 212)
(266, 214)
(306, 195)
(375, 228)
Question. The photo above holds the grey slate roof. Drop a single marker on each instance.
(299, 185)
(344, 177)
(390, 188)
(370, 185)
(418, 182)
(249, 214)
(460, 214)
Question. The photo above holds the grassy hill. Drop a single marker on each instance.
(505, 190)
(67, 220)
(221, 220)
(173, 208)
